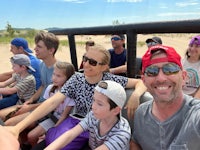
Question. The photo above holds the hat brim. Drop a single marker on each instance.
(31, 68)
(150, 40)
(28, 50)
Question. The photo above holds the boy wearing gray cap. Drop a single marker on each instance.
(24, 84)
(107, 128)
(20, 46)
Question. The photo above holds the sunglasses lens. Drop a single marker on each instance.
(170, 69)
(91, 61)
(152, 71)
(115, 38)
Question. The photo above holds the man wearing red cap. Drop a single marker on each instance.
(171, 120)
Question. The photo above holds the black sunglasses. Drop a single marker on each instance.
(103, 85)
(91, 61)
(115, 38)
(167, 69)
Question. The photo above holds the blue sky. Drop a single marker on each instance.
(41, 14)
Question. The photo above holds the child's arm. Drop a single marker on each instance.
(5, 76)
(134, 146)
(8, 90)
(36, 96)
(46, 107)
(65, 138)
(102, 147)
(6, 83)
(65, 114)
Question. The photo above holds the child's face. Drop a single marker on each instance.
(17, 68)
(100, 106)
(58, 77)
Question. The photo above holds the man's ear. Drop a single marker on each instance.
(52, 50)
(184, 76)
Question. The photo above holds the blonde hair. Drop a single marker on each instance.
(106, 57)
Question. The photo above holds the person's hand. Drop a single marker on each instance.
(41, 138)
(30, 101)
(23, 109)
(131, 106)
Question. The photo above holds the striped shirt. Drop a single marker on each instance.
(116, 139)
(26, 86)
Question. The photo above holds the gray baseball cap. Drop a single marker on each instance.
(22, 59)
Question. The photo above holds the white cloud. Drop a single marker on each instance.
(130, 1)
(187, 3)
(178, 14)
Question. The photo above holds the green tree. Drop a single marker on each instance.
(10, 30)
(116, 22)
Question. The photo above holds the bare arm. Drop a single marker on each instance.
(8, 91)
(46, 107)
(134, 99)
(65, 114)
(118, 70)
(102, 147)
(134, 146)
(4, 89)
(65, 138)
(7, 82)
(7, 140)
(5, 76)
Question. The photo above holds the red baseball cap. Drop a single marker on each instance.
(172, 56)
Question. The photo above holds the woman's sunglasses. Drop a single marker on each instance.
(91, 61)
(167, 69)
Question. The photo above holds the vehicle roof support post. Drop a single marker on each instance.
(72, 47)
(131, 53)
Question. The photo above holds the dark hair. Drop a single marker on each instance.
(90, 43)
(49, 39)
(113, 105)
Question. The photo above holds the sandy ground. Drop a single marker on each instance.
(178, 41)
